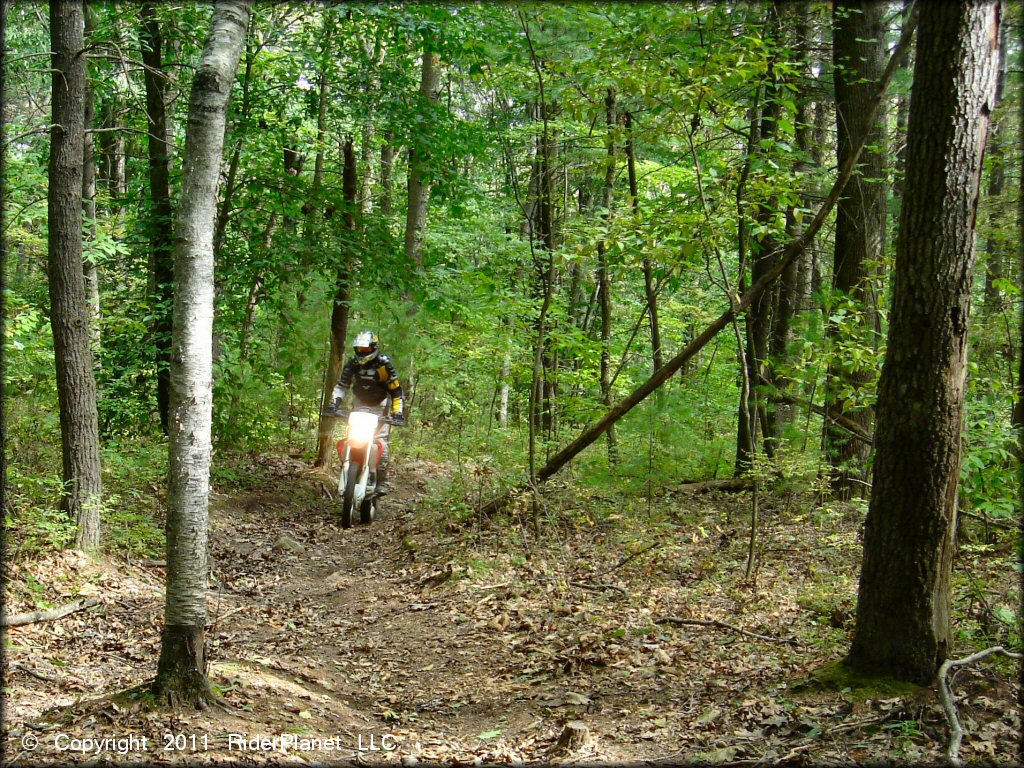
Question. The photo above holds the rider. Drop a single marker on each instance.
(373, 380)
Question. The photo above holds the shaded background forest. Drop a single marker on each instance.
(508, 195)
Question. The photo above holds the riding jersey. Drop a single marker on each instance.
(371, 383)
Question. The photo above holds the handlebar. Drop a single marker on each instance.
(342, 413)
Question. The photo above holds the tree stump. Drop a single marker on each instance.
(574, 736)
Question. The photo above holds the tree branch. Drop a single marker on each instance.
(957, 731)
(34, 617)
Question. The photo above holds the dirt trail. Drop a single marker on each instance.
(397, 642)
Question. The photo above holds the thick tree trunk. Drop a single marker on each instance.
(69, 313)
(339, 312)
(419, 161)
(859, 57)
(160, 245)
(603, 273)
(903, 607)
(181, 671)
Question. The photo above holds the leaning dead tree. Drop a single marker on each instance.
(738, 303)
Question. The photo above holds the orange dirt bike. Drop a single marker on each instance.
(360, 453)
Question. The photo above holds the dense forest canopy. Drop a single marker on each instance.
(536, 207)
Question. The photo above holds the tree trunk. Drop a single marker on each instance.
(603, 275)
(69, 314)
(765, 252)
(160, 244)
(419, 162)
(859, 57)
(231, 184)
(900, 150)
(506, 374)
(903, 606)
(649, 289)
(994, 244)
(788, 297)
(181, 671)
(746, 423)
(3, 255)
(90, 269)
(817, 158)
(113, 160)
(1018, 408)
(387, 162)
(376, 56)
(339, 312)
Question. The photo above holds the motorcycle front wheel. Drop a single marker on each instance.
(349, 501)
(367, 511)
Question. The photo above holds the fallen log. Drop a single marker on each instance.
(34, 617)
(677, 621)
(725, 484)
(838, 419)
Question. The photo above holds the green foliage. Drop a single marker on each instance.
(990, 467)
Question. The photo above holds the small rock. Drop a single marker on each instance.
(289, 544)
(337, 578)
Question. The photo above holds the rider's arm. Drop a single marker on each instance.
(386, 371)
(344, 382)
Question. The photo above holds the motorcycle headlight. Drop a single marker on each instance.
(361, 426)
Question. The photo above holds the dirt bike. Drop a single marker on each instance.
(359, 453)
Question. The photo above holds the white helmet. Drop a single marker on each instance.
(367, 346)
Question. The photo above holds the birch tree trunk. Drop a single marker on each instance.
(419, 187)
(69, 313)
(181, 671)
(161, 248)
(903, 605)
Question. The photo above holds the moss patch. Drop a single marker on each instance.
(837, 676)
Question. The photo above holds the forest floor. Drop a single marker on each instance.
(425, 639)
